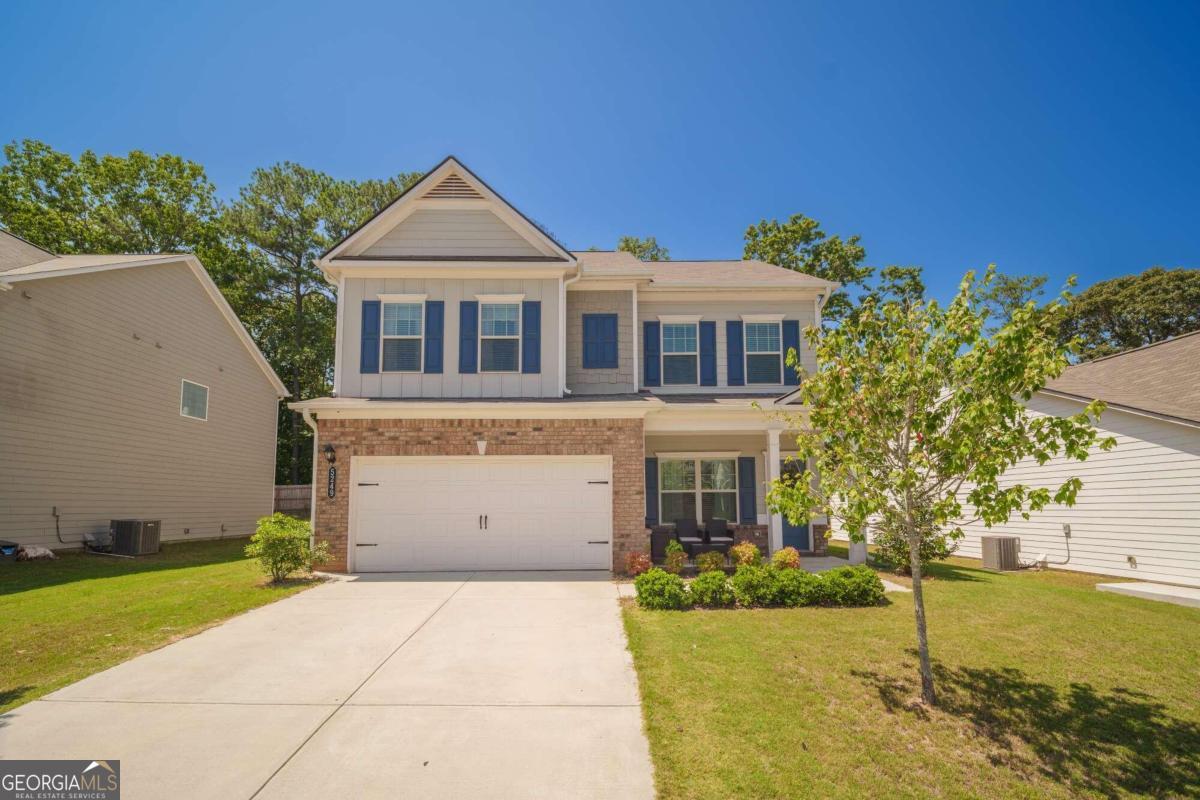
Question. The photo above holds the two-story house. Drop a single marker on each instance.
(501, 402)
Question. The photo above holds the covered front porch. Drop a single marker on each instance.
(709, 464)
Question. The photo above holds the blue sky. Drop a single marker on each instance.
(1046, 137)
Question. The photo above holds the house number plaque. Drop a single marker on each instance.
(331, 488)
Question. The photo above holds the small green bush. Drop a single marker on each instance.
(658, 590)
(851, 586)
(673, 546)
(637, 563)
(712, 590)
(756, 586)
(280, 543)
(797, 588)
(787, 558)
(745, 554)
(712, 560)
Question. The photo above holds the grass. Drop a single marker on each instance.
(63, 620)
(1048, 688)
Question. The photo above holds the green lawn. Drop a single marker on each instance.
(1049, 688)
(63, 620)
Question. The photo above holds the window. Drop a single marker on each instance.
(500, 337)
(402, 344)
(707, 485)
(764, 353)
(680, 354)
(193, 401)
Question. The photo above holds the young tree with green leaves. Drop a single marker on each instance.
(800, 244)
(1132, 311)
(915, 415)
(647, 249)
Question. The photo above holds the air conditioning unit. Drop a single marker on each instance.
(1001, 552)
(135, 537)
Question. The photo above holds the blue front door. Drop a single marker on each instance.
(795, 535)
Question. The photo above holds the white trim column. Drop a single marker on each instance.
(774, 521)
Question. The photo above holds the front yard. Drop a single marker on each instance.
(1048, 689)
(63, 620)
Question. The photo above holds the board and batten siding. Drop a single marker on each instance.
(450, 383)
(452, 232)
(722, 311)
(1140, 499)
(600, 381)
(89, 414)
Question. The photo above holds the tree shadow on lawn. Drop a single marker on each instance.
(1104, 742)
(7, 696)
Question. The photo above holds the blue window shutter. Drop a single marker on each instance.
(747, 510)
(599, 341)
(651, 345)
(791, 341)
(733, 353)
(651, 492)
(708, 354)
(531, 337)
(435, 313)
(368, 354)
(468, 336)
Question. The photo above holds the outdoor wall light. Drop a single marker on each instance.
(330, 453)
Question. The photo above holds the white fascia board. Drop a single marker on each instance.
(445, 270)
(1140, 412)
(359, 408)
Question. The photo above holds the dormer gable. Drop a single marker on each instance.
(450, 215)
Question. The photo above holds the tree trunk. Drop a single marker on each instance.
(914, 558)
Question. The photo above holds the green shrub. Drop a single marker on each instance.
(637, 563)
(676, 561)
(891, 543)
(745, 554)
(673, 546)
(659, 590)
(756, 586)
(797, 588)
(712, 590)
(787, 558)
(280, 543)
(712, 560)
(851, 586)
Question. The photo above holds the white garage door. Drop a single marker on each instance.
(490, 512)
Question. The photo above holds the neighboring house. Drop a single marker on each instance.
(128, 389)
(502, 402)
(1138, 513)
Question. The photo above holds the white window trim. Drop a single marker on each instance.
(699, 491)
(679, 318)
(207, 395)
(500, 300)
(662, 350)
(397, 300)
(761, 319)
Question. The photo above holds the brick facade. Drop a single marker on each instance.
(820, 539)
(620, 438)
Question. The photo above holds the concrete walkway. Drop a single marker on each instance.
(449, 685)
(1165, 593)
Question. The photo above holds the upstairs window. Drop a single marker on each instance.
(500, 337)
(193, 401)
(403, 326)
(764, 353)
(680, 354)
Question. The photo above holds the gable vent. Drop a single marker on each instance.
(454, 187)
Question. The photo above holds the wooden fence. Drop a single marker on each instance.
(294, 500)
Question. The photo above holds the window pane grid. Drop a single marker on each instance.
(762, 337)
(402, 319)
(708, 486)
(679, 338)
(501, 319)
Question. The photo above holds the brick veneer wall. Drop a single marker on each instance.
(621, 438)
(820, 539)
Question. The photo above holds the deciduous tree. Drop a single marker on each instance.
(800, 244)
(1132, 311)
(647, 249)
(914, 414)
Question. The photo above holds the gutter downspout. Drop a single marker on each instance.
(312, 501)
(562, 329)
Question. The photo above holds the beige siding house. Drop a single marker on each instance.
(128, 389)
(503, 402)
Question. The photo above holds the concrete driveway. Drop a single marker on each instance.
(436, 685)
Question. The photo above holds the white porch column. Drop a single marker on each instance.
(774, 521)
